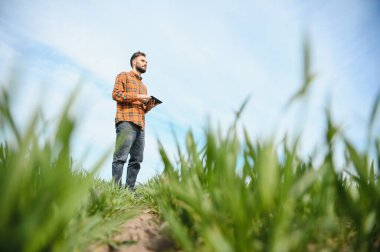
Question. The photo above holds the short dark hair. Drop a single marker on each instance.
(135, 55)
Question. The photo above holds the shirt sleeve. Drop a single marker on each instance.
(120, 93)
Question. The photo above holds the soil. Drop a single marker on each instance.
(144, 233)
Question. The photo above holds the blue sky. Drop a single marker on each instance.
(204, 59)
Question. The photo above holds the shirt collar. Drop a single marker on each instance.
(136, 75)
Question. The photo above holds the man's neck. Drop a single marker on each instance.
(136, 72)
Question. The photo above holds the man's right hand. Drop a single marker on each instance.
(143, 98)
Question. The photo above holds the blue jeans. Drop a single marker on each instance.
(130, 140)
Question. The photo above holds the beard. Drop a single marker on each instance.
(140, 69)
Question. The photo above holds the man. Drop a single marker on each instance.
(133, 103)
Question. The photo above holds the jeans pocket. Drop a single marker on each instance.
(120, 126)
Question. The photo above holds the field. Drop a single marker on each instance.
(227, 194)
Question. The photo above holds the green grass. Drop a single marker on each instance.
(46, 203)
(267, 204)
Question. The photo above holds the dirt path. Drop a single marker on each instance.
(144, 233)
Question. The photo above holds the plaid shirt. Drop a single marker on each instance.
(127, 86)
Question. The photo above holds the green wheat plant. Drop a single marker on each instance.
(267, 203)
(45, 203)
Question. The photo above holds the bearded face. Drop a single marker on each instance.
(141, 64)
(141, 69)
